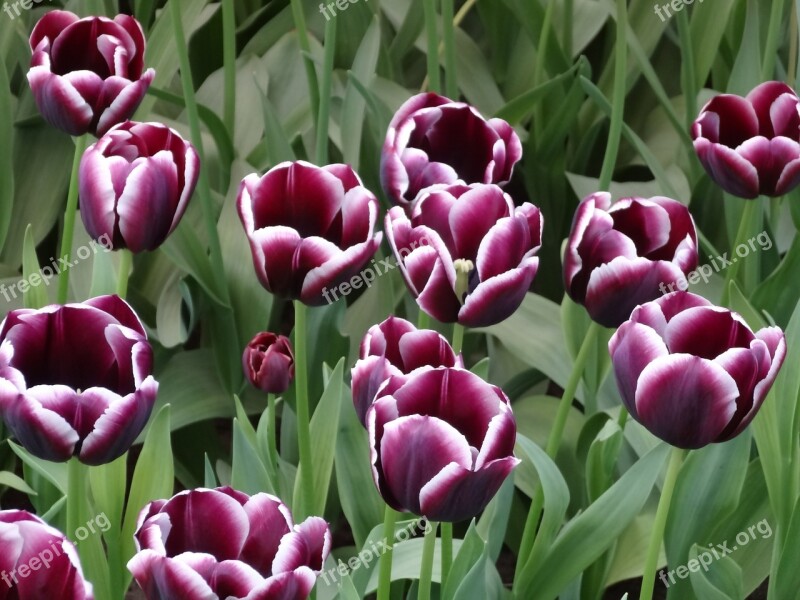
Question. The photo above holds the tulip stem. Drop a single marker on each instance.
(748, 214)
(308, 61)
(76, 492)
(125, 266)
(385, 568)
(554, 443)
(229, 65)
(447, 551)
(325, 93)
(272, 438)
(657, 536)
(458, 340)
(423, 320)
(618, 107)
(69, 218)
(426, 572)
(448, 40)
(432, 37)
(303, 418)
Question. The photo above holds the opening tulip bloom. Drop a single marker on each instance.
(434, 140)
(620, 256)
(87, 75)
(310, 228)
(693, 373)
(75, 379)
(395, 348)
(37, 561)
(441, 443)
(751, 146)
(222, 544)
(135, 184)
(473, 256)
(268, 362)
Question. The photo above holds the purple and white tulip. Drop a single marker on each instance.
(38, 561)
(466, 253)
(620, 256)
(75, 380)
(310, 228)
(441, 443)
(87, 75)
(268, 362)
(693, 373)
(222, 544)
(135, 184)
(751, 146)
(433, 140)
(394, 348)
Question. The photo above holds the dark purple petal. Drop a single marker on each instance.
(60, 103)
(43, 432)
(51, 24)
(308, 545)
(728, 120)
(707, 332)
(763, 99)
(270, 521)
(295, 585)
(729, 169)
(163, 578)
(497, 298)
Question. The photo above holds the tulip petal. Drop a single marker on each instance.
(51, 24)
(43, 432)
(294, 585)
(707, 331)
(497, 298)
(306, 546)
(270, 521)
(123, 103)
(163, 578)
(59, 102)
(425, 347)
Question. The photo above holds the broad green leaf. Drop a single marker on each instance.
(786, 584)
(9, 479)
(6, 155)
(471, 553)
(32, 282)
(55, 473)
(714, 579)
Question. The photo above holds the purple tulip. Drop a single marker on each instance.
(75, 379)
(268, 362)
(620, 256)
(434, 140)
(441, 443)
(87, 75)
(394, 348)
(135, 184)
(751, 146)
(222, 544)
(310, 228)
(693, 373)
(37, 561)
(467, 254)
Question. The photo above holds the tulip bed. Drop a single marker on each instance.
(424, 299)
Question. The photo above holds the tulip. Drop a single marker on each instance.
(310, 228)
(135, 184)
(751, 146)
(87, 75)
(395, 348)
(693, 373)
(222, 544)
(75, 379)
(37, 561)
(268, 362)
(466, 253)
(620, 256)
(434, 140)
(441, 443)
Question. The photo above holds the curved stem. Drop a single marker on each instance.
(620, 87)
(458, 340)
(303, 417)
(432, 37)
(69, 218)
(125, 266)
(657, 536)
(385, 567)
(229, 65)
(748, 214)
(447, 551)
(426, 573)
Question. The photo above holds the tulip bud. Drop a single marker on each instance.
(38, 561)
(751, 146)
(433, 140)
(693, 373)
(135, 183)
(268, 362)
(87, 75)
(207, 544)
(620, 256)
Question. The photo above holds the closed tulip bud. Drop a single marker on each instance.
(433, 140)
(751, 146)
(268, 362)
(441, 443)
(212, 544)
(76, 379)
(87, 75)
(620, 256)
(466, 253)
(395, 348)
(693, 373)
(135, 183)
(310, 228)
(37, 561)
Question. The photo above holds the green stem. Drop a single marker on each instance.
(688, 73)
(541, 58)
(657, 535)
(272, 437)
(773, 39)
(229, 65)
(458, 339)
(426, 572)
(69, 218)
(76, 496)
(449, 41)
(325, 93)
(385, 569)
(748, 214)
(447, 551)
(303, 417)
(432, 36)
(308, 61)
(568, 24)
(620, 87)
(125, 266)
(423, 320)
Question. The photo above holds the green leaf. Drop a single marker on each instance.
(471, 554)
(6, 155)
(248, 473)
(715, 579)
(108, 484)
(494, 521)
(786, 584)
(210, 478)
(9, 479)
(32, 281)
(55, 473)
(481, 368)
